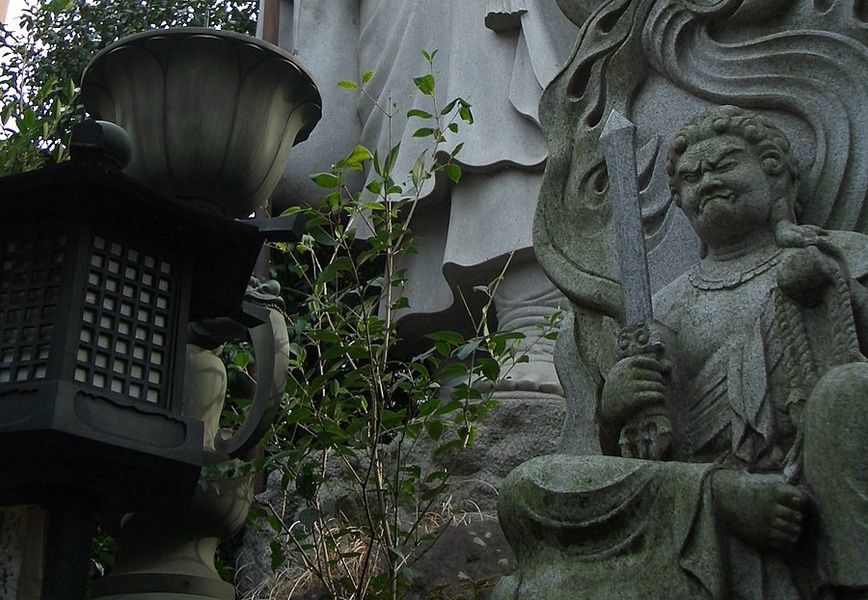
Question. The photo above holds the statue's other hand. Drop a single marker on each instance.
(806, 275)
(759, 508)
(634, 383)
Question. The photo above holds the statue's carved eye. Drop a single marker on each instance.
(726, 165)
(689, 177)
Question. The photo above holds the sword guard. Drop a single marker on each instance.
(647, 338)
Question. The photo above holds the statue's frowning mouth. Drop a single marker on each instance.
(723, 195)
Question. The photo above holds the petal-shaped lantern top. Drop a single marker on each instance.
(212, 114)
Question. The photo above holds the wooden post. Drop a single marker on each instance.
(271, 34)
(270, 21)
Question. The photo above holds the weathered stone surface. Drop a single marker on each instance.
(657, 61)
(21, 529)
(748, 412)
(516, 429)
(464, 563)
(524, 425)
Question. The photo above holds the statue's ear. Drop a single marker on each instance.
(772, 161)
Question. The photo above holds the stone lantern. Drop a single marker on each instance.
(103, 272)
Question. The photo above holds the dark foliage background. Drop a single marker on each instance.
(44, 59)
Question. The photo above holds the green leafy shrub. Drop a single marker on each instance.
(356, 407)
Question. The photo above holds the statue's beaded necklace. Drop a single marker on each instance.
(702, 282)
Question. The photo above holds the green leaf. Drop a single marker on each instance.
(451, 337)
(421, 114)
(417, 173)
(326, 180)
(490, 369)
(305, 483)
(390, 159)
(57, 6)
(347, 84)
(424, 132)
(242, 359)
(425, 83)
(453, 127)
(355, 160)
(278, 555)
(467, 349)
(367, 76)
(341, 263)
(360, 153)
(434, 429)
(374, 187)
(448, 108)
(452, 371)
(453, 171)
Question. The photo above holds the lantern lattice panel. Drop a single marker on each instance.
(125, 336)
(30, 276)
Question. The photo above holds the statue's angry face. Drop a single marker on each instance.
(723, 189)
(732, 172)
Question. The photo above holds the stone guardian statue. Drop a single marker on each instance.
(764, 378)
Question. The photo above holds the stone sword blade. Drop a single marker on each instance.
(618, 144)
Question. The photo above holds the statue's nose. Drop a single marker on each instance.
(709, 182)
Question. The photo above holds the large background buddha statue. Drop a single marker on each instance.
(764, 378)
(499, 55)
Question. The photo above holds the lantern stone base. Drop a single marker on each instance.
(171, 557)
(163, 586)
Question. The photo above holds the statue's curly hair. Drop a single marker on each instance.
(769, 143)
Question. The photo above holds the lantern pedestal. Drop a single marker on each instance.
(68, 536)
(171, 556)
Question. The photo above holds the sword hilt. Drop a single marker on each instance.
(647, 433)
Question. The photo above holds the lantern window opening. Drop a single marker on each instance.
(126, 321)
(29, 279)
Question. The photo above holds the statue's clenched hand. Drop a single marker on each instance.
(634, 383)
(806, 275)
(634, 394)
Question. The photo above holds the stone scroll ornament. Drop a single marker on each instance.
(801, 61)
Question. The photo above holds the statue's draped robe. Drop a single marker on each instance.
(461, 232)
(639, 529)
